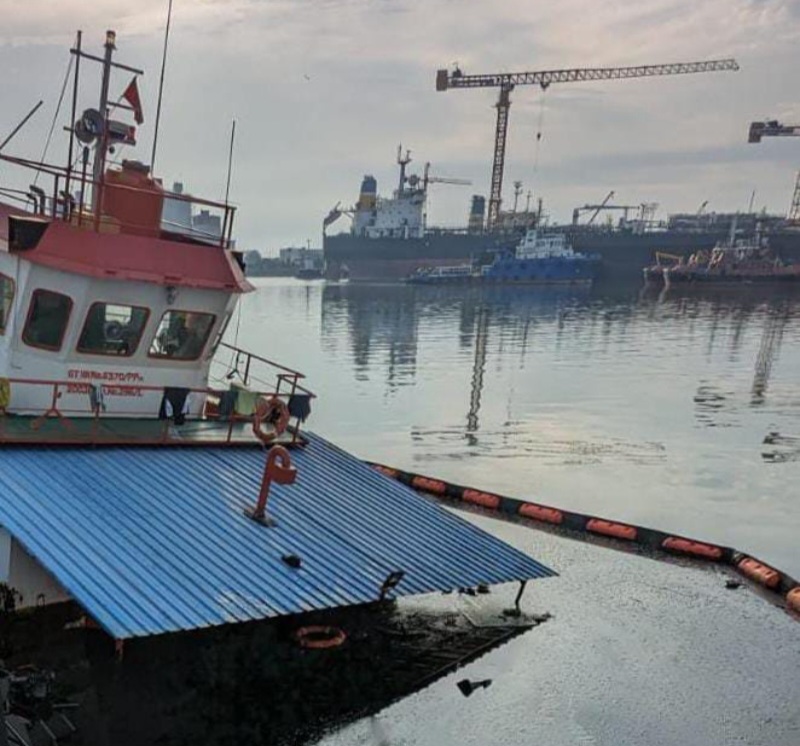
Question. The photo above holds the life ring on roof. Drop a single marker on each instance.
(273, 412)
(319, 637)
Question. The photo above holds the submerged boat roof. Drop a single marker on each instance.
(152, 540)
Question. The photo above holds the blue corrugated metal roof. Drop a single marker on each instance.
(153, 540)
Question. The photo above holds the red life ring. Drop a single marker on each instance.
(318, 637)
(274, 412)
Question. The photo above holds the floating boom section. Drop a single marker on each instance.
(507, 81)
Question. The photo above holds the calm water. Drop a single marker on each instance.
(645, 408)
(638, 407)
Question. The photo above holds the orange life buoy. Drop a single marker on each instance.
(274, 412)
(319, 637)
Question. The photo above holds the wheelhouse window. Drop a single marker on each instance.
(6, 299)
(112, 329)
(182, 335)
(47, 320)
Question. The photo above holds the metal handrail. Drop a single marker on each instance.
(67, 415)
(60, 209)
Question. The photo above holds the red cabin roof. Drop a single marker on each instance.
(129, 257)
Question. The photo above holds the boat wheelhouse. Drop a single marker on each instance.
(111, 313)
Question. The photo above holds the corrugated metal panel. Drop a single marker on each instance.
(152, 540)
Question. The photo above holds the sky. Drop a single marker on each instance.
(323, 91)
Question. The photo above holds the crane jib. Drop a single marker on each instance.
(456, 79)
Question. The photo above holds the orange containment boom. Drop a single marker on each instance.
(579, 524)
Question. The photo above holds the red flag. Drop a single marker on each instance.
(131, 95)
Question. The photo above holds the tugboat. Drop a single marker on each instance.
(538, 259)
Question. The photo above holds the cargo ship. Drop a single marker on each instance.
(389, 237)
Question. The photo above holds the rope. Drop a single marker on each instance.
(55, 118)
(537, 146)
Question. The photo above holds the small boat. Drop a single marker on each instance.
(539, 259)
(744, 262)
(738, 260)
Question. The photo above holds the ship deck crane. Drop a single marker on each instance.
(773, 128)
(597, 209)
(506, 82)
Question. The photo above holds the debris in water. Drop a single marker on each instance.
(466, 687)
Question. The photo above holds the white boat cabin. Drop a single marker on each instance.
(535, 245)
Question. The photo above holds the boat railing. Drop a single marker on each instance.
(77, 411)
(58, 202)
(251, 369)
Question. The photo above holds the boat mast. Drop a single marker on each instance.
(102, 142)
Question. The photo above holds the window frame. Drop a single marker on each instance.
(199, 355)
(84, 351)
(6, 317)
(36, 345)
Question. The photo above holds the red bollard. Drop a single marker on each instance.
(278, 469)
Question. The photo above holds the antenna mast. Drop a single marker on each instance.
(161, 87)
(230, 161)
(102, 141)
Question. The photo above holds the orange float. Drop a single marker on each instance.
(608, 528)
(541, 513)
(484, 499)
(319, 637)
(793, 599)
(696, 548)
(435, 486)
(759, 572)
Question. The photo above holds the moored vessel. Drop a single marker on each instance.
(390, 237)
(735, 262)
(540, 258)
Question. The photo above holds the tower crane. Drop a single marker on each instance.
(506, 82)
(773, 128)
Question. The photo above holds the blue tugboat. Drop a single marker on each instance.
(539, 258)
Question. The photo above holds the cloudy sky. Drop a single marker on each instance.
(324, 90)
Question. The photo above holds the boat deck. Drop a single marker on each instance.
(29, 430)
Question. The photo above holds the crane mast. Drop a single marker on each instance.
(506, 82)
(773, 128)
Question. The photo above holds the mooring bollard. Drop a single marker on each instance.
(278, 469)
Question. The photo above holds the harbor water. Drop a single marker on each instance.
(646, 407)
(676, 411)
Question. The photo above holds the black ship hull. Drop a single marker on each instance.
(624, 254)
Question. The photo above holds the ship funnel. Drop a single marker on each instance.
(477, 212)
(369, 193)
